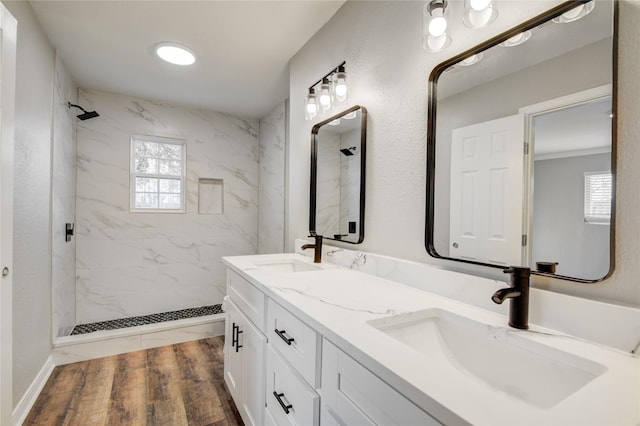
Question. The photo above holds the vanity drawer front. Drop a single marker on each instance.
(247, 297)
(298, 343)
(286, 391)
(353, 395)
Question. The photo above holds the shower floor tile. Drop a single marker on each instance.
(147, 319)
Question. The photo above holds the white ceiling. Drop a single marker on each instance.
(242, 47)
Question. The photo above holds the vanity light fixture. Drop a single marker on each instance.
(436, 21)
(175, 53)
(331, 91)
(517, 39)
(576, 13)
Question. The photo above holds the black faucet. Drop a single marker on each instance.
(317, 248)
(518, 292)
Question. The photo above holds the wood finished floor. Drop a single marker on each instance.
(173, 385)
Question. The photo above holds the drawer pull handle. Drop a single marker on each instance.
(238, 345)
(285, 407)
(234, 338)
(280, 333)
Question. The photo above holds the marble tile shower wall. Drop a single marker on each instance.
(131, 264)
(63, 190)
(328, 183)
(350, 181)
(271, 194)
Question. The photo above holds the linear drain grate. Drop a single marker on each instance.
(147, 319)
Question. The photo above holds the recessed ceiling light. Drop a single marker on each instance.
(175, 53)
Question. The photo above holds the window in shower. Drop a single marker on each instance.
(157, 174)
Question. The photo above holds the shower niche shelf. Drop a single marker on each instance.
(210, 196)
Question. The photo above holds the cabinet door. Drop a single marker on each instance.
(353, 395)
(244, 365)
(233, 359)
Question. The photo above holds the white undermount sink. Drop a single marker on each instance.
(502, 358)
(287, 265)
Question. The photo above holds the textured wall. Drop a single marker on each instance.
(32, 192)
(271, 193)
(140, 263)
(63, 203)
(381, 43)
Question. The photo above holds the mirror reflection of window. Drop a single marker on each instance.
(597, 198)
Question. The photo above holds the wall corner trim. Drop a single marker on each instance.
(31, 395)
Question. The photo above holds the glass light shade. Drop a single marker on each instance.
(175, 53)
(311, 106)
(326, 95)
(473, 59)
(335, 122)
(576, 13)
(435, 18)
(517, 39)
(479, 13)
(341, 86)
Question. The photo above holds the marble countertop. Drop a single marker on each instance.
(339, 303)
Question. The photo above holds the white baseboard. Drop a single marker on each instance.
(29, 398)
(106, 343)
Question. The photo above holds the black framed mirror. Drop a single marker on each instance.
(521, 147)
(338, 163)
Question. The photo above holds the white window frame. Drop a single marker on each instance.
(134, 173)
(589, 216)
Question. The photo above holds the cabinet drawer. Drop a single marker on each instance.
(290, 401)
(353, 395)
(298, 343)
(249, 299)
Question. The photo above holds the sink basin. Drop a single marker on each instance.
(288, 265)
(499, 357)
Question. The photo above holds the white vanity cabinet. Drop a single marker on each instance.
(352, 395)
(244, 348)
(282, 372)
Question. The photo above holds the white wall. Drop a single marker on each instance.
(32, 202)
(132, 264)
(271, 192)
(63, 203)
(381, 43)
(558, 210)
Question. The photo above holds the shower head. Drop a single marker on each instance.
(86, 114)
(348, 151)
